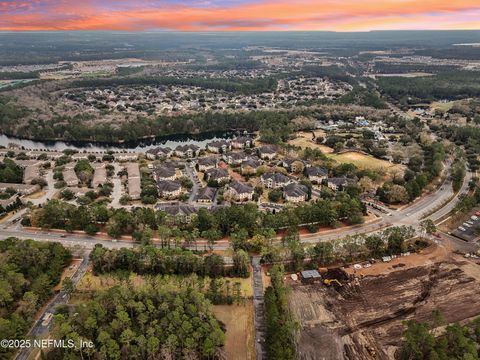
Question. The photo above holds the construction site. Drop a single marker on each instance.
(358, 312)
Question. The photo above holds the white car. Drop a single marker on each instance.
(473, 217)
(461, 228)
(467, 225)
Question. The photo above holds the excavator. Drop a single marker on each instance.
(330, 282)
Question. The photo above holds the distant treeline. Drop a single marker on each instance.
(452, 85)
(242, 86)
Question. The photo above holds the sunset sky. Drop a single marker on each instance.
(238, 15)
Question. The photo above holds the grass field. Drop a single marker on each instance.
(304, 140)
(240, 334)
(90, 282)
(364, 161)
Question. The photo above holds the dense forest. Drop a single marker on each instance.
(155, 261)
(448, 85)
(124, 322)
(28, 272)
(280, 324)
(10, 172)
(421, 341)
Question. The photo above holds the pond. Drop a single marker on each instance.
(171, 141)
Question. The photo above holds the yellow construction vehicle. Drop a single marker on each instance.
(330, 282)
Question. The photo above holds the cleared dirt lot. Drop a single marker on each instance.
(240, 334)
(363, 318)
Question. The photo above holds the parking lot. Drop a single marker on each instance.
(468, 230)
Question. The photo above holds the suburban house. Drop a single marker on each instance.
(267, 152)
(169, 189)
(218, 175)
(206, 195)
(235, 158)
(218, 146)
(206, 163)
(238, 191)
(134, 183)
(339, 183)
(187, 151)
(295, 193)
(316, 174)
(159, 152)
(275, 180)
(163, 173)
(249, 166)
(241, 142)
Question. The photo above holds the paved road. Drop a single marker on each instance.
(61, 298)
(51, 191)
(259, 308)
(190, 172)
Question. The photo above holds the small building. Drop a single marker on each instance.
(316, 174)
(158, 152)
(339, 183)
(81, 156)
(242, 142)
(310, 276)
(295, 193)
(267, 152)
(187, 151)
(294, 165)
(206, 163)
(70, 176)
(179, 213)
(218, 146)
(218, 175)
(134, 182)
(238, 191)
(235, 158)
(129, 156)
(206, 195)
(169, 189)
(163, 173)
(99, 175)
(22, 189)
(250, 166)
(275, 180)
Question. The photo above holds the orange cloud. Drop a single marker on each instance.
(337, 15)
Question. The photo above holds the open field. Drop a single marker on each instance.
(240, 333)
(363, 318)
(304, 140)
(365, 161)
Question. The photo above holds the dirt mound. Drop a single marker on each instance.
(363, 319)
